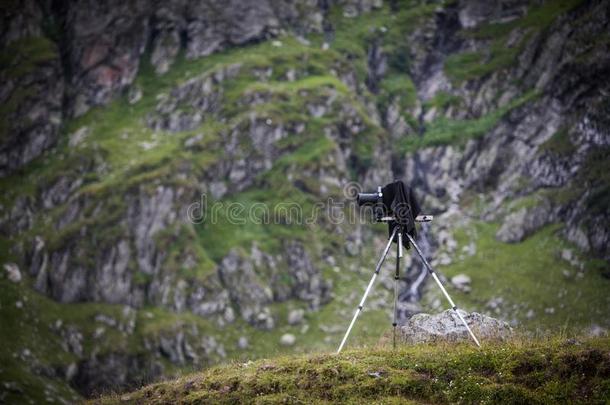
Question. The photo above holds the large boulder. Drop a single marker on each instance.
(446, 326)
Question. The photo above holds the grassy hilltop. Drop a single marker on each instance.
(546, 371)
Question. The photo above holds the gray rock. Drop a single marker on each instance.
(71, 371)
(166, 44)
(134, 94)
(72, 340)
(495, 304)
(409, 308)
(352, 248)
(78, 136)
(190, 142)
(12, 272)
(174, 347)
(288, 339)
(446, 326)
(307, 282)
(461, 282)
(567, 255)
(32, 110)
(597, 331)
(296, 316)
(243, 343)
(245, 290)
(229, 315)
(105, 319)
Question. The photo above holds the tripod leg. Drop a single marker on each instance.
(396, 277)
(435, 277)
(368, 289)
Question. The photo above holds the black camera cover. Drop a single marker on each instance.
(400, 200)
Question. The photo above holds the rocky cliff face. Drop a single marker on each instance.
(32, 86)
(118, 116)
(520, 156)
(70, 56)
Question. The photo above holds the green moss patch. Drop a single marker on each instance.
(24, 55)
(523, 371)
(443, 131)
(472, 65)
(559, 144)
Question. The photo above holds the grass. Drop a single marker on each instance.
(539, 16)
(442, 100)
(558, 144)
(388, 29)
(592, 180)
(22, 56)
(472, 65)
(17, 60)
(117, 132)
(29, 329)
(34, 325)
(595, 177)
(542, 371)
(443, 131)
(528, 276)
(115, 164)
(397, 87)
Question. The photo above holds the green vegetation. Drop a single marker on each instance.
(389, 30)
(528, 276)
(500, 54)
(592, 180)
(22, 56)
(41, 322)
(595, 178)
(534, 372)
(398, 87)
(559, 143)
(527, 202)
(471, 65)
(443, 131)
(442, 100)
(28, 320)
(17, 60)
(353, 36)
(120, 157)
(539, 17)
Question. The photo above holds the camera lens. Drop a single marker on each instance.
(367, 198)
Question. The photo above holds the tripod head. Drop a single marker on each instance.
(419, 218)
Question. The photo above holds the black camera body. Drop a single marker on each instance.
(394, 203)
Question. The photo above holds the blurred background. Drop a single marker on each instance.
(118, 116)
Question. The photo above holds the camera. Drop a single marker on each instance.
(395, 204)
(368, 199)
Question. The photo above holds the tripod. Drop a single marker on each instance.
(398, 230)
